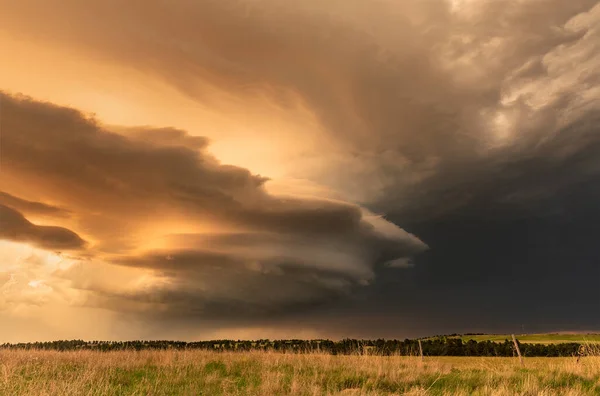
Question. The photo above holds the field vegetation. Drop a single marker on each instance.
(203, 372)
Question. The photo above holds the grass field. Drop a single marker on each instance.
(197, 372)
(557, 338)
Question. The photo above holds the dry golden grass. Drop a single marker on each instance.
(196, 372)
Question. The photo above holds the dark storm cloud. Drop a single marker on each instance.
(233, 286)
(263, 274)
(132, 190)
(166, 137)
(31, 206)
(410, 78)
(406, 90)
(511, 182)
(15, 227)
(514, 242)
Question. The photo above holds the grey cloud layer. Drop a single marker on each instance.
(406, 90)
(285, 250)
(15, 227)
(31, 206)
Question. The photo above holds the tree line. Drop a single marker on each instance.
(438, 346)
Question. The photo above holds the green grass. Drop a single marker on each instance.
(556, 338)
(266, 373)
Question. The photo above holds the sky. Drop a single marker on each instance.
(202, 169)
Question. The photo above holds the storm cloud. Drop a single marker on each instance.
(15, 227)
(473, 125)
(243, 249)
(399, 87)
(31, 206)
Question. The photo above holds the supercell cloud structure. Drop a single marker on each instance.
(361, 167)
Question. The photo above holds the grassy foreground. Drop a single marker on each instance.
(263, 373)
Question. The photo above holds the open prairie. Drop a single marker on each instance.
(310, 197)
(171, 372)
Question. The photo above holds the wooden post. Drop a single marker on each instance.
(421, 349)
(580, 352)
(517, 348)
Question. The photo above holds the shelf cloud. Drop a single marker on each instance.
(213, 238)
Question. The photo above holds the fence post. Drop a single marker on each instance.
(517, 348)
(421, 349)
